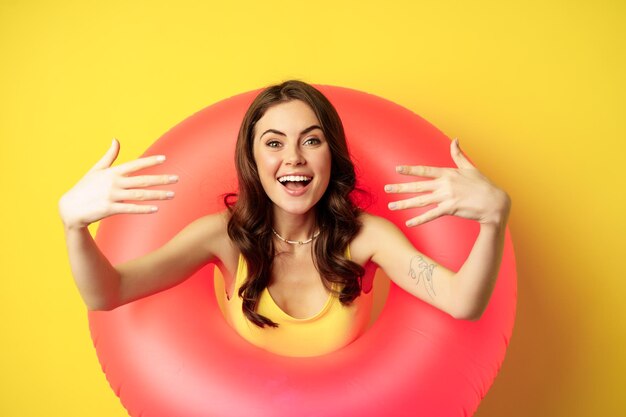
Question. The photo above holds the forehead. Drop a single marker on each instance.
(289, 117)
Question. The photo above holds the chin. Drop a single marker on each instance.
(294, 205)
(296, 209)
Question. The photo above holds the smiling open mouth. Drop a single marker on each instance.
(294, 182)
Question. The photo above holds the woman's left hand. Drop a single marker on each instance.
(462, 191)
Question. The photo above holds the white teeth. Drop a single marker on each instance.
(293, 178)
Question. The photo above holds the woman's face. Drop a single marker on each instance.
(292, 156)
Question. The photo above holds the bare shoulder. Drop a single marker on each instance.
(211, 232)
(375, 231)
(373, 222)
(201, 241)
(212, 224)
(376, 226)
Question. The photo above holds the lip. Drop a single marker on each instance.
(301, 174)
(298, 192)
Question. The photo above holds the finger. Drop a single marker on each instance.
(109, 157)
(411, 187)
(141, 163)
(426, 217)
(420, 171)
(142, 195)
(142, 181)
(457, 156)
(125, 208)
(419, 201)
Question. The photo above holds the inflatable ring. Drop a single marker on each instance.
(173, 354)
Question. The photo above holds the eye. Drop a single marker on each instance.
(273, 143)
(312, 141)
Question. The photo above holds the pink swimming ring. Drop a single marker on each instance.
(173, 354)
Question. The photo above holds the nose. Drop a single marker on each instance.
(294, 156)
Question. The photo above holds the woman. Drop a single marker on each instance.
(296, 252)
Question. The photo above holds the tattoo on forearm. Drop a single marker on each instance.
(422, 271)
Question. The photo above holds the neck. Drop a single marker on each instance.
(296, 227)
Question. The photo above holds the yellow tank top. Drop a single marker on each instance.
(332, 328)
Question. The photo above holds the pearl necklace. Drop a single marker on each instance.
(295, 242)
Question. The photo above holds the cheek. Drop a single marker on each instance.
(267, 166)
(323, 168)
(325, 164)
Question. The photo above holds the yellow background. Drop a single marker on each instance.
(535, 91)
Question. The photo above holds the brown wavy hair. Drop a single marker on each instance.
(250, 224)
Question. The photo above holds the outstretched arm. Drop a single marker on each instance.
(462, 192)
(105, 191)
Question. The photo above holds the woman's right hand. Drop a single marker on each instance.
(106, 190)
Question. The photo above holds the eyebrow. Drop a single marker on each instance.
(278, 132)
